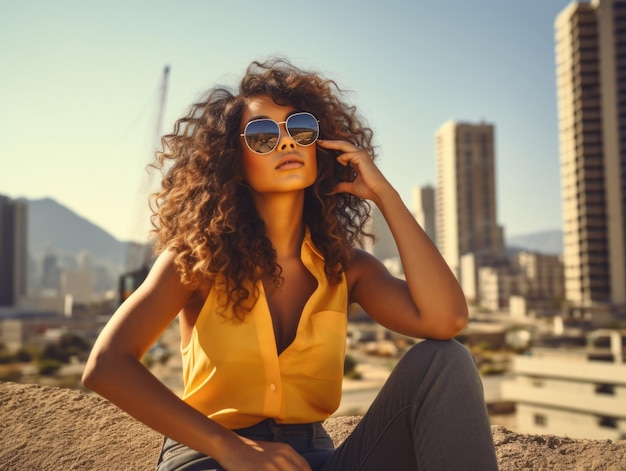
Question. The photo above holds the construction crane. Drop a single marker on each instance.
(130, 280)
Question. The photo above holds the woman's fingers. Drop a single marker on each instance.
(348, 150)
(352, 155)
(368, 181)
(268, 456)
(343, 146)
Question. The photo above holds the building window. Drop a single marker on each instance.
(604, 388)
(537, 382)
(607, 422)
(541, 420)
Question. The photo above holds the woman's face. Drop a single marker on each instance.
(289, 167)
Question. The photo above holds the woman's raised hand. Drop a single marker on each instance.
(369, 182)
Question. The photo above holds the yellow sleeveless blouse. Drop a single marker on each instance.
(233, 374)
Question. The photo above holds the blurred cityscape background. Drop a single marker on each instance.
(548, 309)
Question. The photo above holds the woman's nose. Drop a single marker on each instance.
(285, 141)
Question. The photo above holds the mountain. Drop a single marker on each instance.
(547, 242)
(53, 226)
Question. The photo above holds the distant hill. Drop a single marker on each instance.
(52, 225)
(547, 242)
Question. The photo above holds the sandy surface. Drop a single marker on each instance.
(45, 428)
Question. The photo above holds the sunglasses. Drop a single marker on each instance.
(262, 135)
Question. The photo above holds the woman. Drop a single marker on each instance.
(261, 205)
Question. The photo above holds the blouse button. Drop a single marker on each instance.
(272, 387)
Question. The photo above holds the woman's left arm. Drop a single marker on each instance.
(430, 303)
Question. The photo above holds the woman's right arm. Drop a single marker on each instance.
(114, 370)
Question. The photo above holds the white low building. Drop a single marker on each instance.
(579, 393)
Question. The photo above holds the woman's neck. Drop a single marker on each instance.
(284, 227)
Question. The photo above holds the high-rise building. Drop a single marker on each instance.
(424, 209)
(466, 193)
(13, 251)
(50, 282)
(591, 88)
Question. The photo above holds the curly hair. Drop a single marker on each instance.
(204, 211)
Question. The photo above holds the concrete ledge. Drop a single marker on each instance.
(61, 429)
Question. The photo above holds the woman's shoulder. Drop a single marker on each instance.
(362, 263)
(167, 273)
(192, 297)
(362, 257)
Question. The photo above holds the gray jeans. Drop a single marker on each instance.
(310, 440)
(429, 415)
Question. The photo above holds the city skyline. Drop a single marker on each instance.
(81, 88)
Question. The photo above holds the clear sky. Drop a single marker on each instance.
(79, 89)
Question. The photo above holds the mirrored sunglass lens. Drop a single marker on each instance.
(303, 128)
(262, 135)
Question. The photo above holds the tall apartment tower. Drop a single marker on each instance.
(466, 193)
(591, 89)
(424, 209)
(13, 250)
